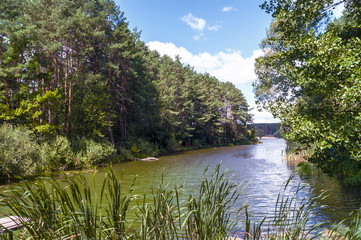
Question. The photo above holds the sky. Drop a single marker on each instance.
(220, 37)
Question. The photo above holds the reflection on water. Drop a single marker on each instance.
(260, 165)
(341, 201)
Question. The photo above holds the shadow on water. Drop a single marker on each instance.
(342, 200)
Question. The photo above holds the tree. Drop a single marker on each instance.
(309, 77)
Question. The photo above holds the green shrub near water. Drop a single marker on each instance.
(305, 169)
(56, 154)
(93, 153)
(22, 155)
(18, 151)
(125, 154)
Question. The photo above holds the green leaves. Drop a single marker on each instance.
(310, 80)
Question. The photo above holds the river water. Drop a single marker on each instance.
(260, 166)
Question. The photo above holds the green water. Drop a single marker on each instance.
(260, 165)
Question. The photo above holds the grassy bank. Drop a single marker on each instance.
(70, 210)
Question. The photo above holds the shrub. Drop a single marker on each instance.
(305, 169)
(145, 148)
(94, 153)
(56, 154)
(18, 151)
(125, 154)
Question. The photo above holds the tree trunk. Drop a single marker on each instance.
(123, 123)
(110, 130)
(66, 88)
(56, 84)
(70, 90)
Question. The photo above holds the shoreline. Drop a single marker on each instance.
(268, 138)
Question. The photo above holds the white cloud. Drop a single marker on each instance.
(214, 28)
(337, 12)
(199, 25)
(200, 36)
(195, 23)
(226, 66)
(228, 9)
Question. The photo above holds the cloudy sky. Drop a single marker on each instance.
(220, 37)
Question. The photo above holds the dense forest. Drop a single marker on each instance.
(310, 78)
(77, 85)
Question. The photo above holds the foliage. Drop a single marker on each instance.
(56, 154)
(53, 209)
(211, 214)
(259, 133)
(273, 129)
(142, 148)
(305, 169)
(57, 210)
(125, 154)
(18, 151)
(94, 153)
(309, 77)
(75, 69)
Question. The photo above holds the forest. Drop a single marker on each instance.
(79, 88)
(310, 78)
(268, 129)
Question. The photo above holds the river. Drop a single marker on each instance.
(260, 166)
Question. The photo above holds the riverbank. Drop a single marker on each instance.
(260, 165)
(94, 155)
(268, 137)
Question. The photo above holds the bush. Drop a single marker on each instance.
(94, 153)
(146, 148)
(18, 151)
(305, 169)
(138, 148)
(125, 154)
(56, 154)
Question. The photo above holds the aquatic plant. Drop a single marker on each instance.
(291, 219)
(69, 209)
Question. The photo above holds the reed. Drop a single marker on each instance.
(212, 214)
(291, 218)
(69, 209)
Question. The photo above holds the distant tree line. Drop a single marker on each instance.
(270, 129)
(72, 71)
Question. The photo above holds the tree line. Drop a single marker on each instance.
(268, 129)
(309, 78)
(73, 70)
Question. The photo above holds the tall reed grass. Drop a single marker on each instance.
(51, 209)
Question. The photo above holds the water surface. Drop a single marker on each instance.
(260, 166)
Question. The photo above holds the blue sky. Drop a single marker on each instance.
(220, 37)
